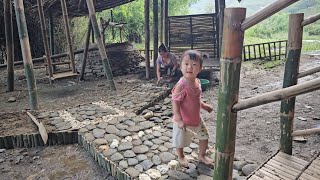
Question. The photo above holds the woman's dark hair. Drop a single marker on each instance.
(193, 55)
(163, 48)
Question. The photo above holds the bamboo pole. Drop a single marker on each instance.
(68, 36)
(102, 50)
(290, 79)
(278, 95)
(232, 45)
(51, 37)
(309, 72)
(85, 52)
(147, 37)
(26, 54)
(266, 12)
(166, 22)
(155, 35)
(310, 20)
(45, 39)
(222, 6)
(305, 132)
(161, 20)
(9, 44)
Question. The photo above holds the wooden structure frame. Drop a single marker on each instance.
(228, 105)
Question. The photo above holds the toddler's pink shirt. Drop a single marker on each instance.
(190, 103)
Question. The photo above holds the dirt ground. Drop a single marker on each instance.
(258, 128)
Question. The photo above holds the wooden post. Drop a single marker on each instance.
(166, 23)
(147, 37)
(26, 54)
(155, 35)
(232, 46)
(85, 51)
(51, 37)
(290, 79)
(67, 31)
(9, 44)
(161, 20)
(112, 28)
(222, 6)
(45, 38)
(102, 50)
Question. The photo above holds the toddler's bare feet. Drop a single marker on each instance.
(183, 161)
(205, 160)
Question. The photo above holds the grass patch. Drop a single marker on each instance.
(271, 64)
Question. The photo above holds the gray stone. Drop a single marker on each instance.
(179, 175)
(125, 146)
(64, 126)
(155, 146)
(12, 99)
(113, 122)
(83, 130)
(136, 142)
(238, 165)
(249, 168)
(135, 128)
(204, 177)
(168, 134)
(123, 164)
(157, 133)
(187, 150)
(123, 133)
(129, 123)
(140, 149)
(147, 124)
(164, 138)
(2, 150)
(132, 172)
(193, 145)
(109, 152)
(163, 149)
(129, 154)
(132, 161)
(100, 141)
(111, 129)
(43, 115)
(102, 125)
(142, 157)
(156, 160)
(2, 160)
(116, 157)
(56, 120)
(146, 164)
(205, 169)
(168, 145)
(148, 143)
(111, 137)
(147, 137)
(90, 127)
(139, 168)
(138, 119)
(98, 133)
(166, 157)
(89, 137)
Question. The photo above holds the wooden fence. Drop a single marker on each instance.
(197, 32)
(269, 51)
(143, 53)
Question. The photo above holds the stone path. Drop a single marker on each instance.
(140, 145)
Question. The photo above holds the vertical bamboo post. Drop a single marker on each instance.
(102, 50)
(147, 37)
(26, 54)
(155, 34)
(67, 31)
(166, 22)
(222, 5)
(45, 38)
(161, 20)
(290, 79)
(51, 37)
(85, 51)
(232, 45)
(9, 44)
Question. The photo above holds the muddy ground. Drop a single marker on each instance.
(257, 128)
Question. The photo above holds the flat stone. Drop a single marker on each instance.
(163, 149)
(147, 124)
(148, 143)
(123, 133)
(98, 133)
(179, 175)
(129, 154)
(2, 150)
(135, 128)
(125, 146)
(109, 152)
(157, 133)
(168, 145)
(144, 177)
(139, 168)
(205, 169)
(168, 134)
(111, 137)
(136, 142)
(155, 146)
(90, 126)
(147, 137)
(163, 168)
(12, 99)
(129, 123)
(100, 141)
(116, 157)
(187, 150)
(43, 115)
(132, 172)
(249, 168)
(140, 149)
(123, 164)
(141, 157)
(111, 129)
(193, 145)
(204, 177)
(166, 157)
(89, 137)
(154, 173)
(102, 125)
(164, 138)
(132, 161)
(147, 164)
(83, 130)
(113, 122)
(238, 165)
(156, 160)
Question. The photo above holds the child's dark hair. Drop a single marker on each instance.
(193, 55)
(163, 48)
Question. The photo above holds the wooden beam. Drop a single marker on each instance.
(42, 129)
(102, 50)
(67, 32)
(290, 78)
(45, 38)
(155, 34)
(9, 44)
(147, 37)
(309, 72)
(232, 45)
(305, 132)
(278, 95)
(266, 12)
(310, 20)
(85, 52)
(26, 54)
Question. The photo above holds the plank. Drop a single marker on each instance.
(285, 168)
(275, 169)
(266, 173)
(307, 176)
(275, 173)
(289, 163)
(42, 129)
(255, 177)
(64, 75)
(312, 173)
(292, 158)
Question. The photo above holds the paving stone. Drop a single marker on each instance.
(123, 133)
(144, 177)
(168, 145)
(179, 175)
(135, 128)
(205, 169)
(111, 137)
(204, 177)
(125, 146)
(146, 164)
(90, 127)
(148, 143)
(249, 168)
(238, 165)
(142, 157)
(102, 125)
(100, 141)
(163, 149)
(132, 161)
(187, 150)
(140, 149)
(154, 173)
(155, 146)
(83, 130)
(98, 133)
(164, 138)
(123, 164)
(129, 154)
(139, 168)
(166, 157)
(89, 137)
(147, 124)
(116, 157)
(111, 129)
(121, 126)
(136, 142)
(156, 160)
(132, 172)
(109, 152)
